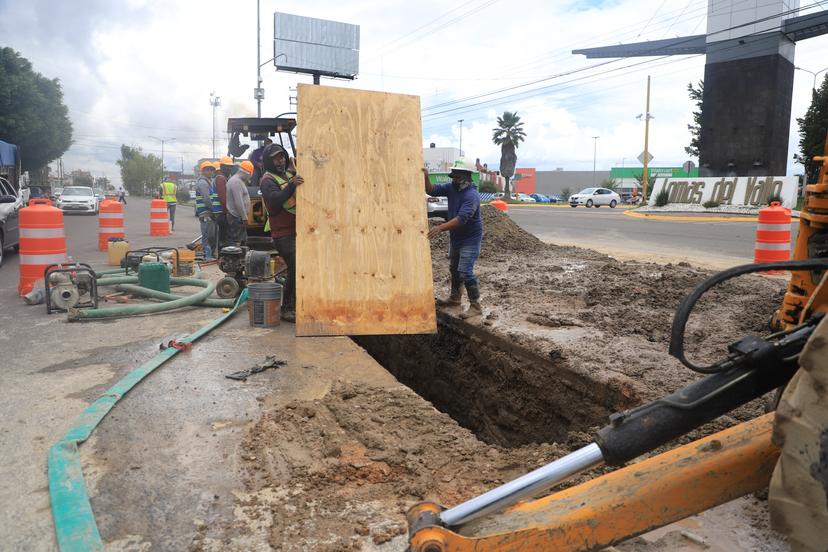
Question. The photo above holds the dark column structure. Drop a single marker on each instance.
(748, 82)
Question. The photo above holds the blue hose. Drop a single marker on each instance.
(75, 525)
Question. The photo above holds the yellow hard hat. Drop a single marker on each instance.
(216, 165)
(206, 165)
(226, 160)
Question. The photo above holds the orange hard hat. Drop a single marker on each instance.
(216, 165)
(226, 160)
(206, 165)
(247, 167)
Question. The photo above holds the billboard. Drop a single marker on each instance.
(315, 46)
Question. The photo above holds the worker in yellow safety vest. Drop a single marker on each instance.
(168, 194)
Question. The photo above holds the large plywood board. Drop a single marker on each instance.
(363, 259)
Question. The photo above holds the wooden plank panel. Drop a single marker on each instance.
(363, 260)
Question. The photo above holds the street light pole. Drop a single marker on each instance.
(594, 157)
(814, 74)
(215, 101)
(461, 136)
(258, 61)
(162, 140)
(644, 176)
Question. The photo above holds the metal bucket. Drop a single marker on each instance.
(264, 304)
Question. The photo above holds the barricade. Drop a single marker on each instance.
(42, 242)
(110, 222)
(773, 235)
(159, 218)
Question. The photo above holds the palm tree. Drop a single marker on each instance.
(508, 135)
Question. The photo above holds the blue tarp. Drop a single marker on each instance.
(8, 154)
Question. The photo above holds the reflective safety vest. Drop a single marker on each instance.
(169, 192)
(290, 204)
(201, 202)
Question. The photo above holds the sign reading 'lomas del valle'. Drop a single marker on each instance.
(753, 191)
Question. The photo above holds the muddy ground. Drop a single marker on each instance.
(569, 336)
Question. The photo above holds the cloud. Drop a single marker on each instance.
(138, 69)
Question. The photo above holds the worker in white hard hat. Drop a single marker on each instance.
(465, 228)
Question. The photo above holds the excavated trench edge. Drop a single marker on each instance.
(504, 393)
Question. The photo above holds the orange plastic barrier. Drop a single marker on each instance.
(42, 242)
(773, 235)
(110, 222)
(159, 218)
(499, 204)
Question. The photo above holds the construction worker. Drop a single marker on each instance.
(278, 185)
(168, 194)
(225, 170)
(238, 204)
(207, 208)
(465, 228)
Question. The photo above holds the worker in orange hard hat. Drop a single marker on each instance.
(238, 204)
(207, 208)
(224, 169)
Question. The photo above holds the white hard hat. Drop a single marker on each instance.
(462, 164)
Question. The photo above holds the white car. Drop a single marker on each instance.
(524, 198)
(78, 198)
(437, 206)
(595, 197)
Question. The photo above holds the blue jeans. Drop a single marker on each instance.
(208, 236)
(461, 263)
(171, 211)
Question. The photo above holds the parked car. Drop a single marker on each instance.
(11, 201)
(437, 206)
(539, 198)
(78, 198)
(555, 198)
(499, 195)
(523, 198)
(595, 197)
(56, 193)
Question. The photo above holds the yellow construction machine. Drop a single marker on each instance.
(787, 449)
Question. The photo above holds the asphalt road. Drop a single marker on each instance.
(611, 231)
(82, 236)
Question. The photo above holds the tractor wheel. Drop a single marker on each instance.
(798, 497)
(228, 288)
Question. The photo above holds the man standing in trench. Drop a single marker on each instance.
(465, 227)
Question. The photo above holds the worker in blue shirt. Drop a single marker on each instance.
(465, 228)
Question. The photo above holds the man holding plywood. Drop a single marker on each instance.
(465, 226)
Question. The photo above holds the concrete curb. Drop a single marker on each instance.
(701, 218)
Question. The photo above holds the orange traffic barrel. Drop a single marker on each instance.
(500, 205)
(773, 235)
(159, 218)
(42, 242)
(110, 222)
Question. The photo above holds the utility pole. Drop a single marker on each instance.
(258, 93)
(162, 140)
(461, 136)
(644, 176)
(215, 101)
(594, 157)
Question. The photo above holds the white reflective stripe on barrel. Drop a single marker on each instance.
(773, 246)
(158, 210)
(42, 259)
(774, 227)
(41, 232)
(111, 231)
(110, 215)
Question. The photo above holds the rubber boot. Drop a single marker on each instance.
(289, 316)
(475, 309)
(453, 300)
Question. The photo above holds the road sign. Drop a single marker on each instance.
(641, 157)
(688, 166)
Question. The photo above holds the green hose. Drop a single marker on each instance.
(146, 292)
(194, 299)
(75, 526)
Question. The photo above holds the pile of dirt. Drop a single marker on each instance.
(502, 235)
(341, 472)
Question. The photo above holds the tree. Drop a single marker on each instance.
(508, 135)
(812, 130)
(566, 192)
(609, 183)
(83, 180)
(651, 178)
(139, 173)
(696, 95)
(32, 114)
(102, 182)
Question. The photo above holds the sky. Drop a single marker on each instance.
(137, 71)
